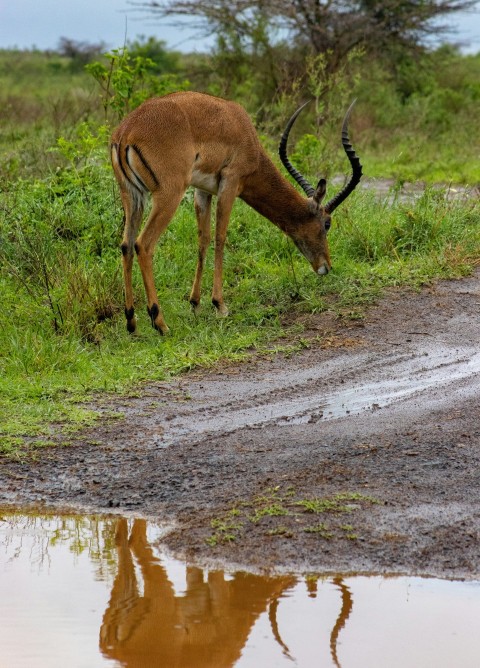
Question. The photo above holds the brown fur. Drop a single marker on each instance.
(188, 138)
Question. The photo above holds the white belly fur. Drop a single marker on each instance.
(207, 182)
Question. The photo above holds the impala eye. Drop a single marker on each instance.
(328, 223)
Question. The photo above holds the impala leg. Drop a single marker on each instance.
(203, 207)
(226, 198)
(163, 209)
(133, 211)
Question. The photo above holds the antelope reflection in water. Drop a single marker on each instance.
(207, 625)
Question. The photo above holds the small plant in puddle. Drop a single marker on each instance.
(349, 531)
(226, 528)
(323, 506)
(269, 494)
(294, 511)
(271, 510)
(12, 446)
(346, 527)
(321, 530)
(269, 504)
(335, 504)
(280, 531)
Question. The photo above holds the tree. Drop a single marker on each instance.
(155, 50)
(331, 27)
(80, 53)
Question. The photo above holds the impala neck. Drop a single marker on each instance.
(269, 193)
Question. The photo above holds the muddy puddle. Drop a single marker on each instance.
(98, 591)
(391, 190)
(434, 373)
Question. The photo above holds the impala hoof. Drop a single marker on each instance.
(131, 320)
(131, 326)
(157, 320)
(222, 310)
(195, 306)
(161, 329)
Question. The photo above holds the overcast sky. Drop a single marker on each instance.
(40, 23)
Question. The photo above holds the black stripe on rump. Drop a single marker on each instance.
(145, 164)
(135, 174)
(124, 171)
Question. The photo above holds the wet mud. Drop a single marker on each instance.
(383, 413)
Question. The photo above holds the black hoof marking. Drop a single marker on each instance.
(153, 313)
(130, 316)
(216, 303)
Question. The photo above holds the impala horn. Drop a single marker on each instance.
(351, 155)
(282, 150)
(354, 161)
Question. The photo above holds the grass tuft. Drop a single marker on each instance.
(264, 511)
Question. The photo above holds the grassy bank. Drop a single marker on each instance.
(64, 338)
(62, 334)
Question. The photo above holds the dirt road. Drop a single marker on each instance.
(359, 454)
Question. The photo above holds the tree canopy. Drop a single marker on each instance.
(333, 27)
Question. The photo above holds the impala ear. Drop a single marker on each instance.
(320, 191)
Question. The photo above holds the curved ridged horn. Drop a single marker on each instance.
(282, 151)
(354, 161)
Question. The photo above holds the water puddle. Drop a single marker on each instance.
(94, 591)
(372, 396)
(389, 191)
(403, 378)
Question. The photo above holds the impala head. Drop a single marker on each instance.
(311, 237)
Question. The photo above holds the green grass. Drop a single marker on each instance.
(281, 513)
(340, 503)
(414, 159)
(63, 335)
(62, 332)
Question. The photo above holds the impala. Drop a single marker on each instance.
(187, 138)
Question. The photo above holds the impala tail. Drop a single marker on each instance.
(129, 173)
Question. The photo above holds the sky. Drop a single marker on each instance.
(41, 23)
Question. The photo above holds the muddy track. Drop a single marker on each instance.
(386, 411)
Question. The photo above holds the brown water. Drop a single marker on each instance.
(82, 592)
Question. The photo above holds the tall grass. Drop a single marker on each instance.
(64, 337)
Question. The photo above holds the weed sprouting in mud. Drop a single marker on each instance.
(321, 530)
(226, 528)
(282, 513)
